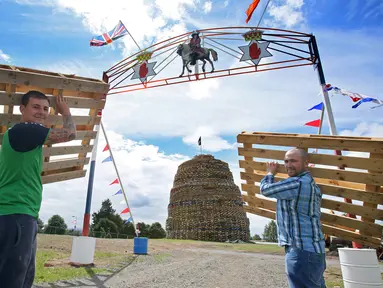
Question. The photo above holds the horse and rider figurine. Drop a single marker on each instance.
(193, 51)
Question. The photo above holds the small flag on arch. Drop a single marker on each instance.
(126, 210)
(107, 159)
(114, 182)
(314, 123)
(106, 148)
(108, 37)
(250, 10)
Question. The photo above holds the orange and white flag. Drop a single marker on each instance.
(250, 10)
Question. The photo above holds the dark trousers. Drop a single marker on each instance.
(17, 250)
(305, 269)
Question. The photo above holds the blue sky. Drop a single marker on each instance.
(166, 122)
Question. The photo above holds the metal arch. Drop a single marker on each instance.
(282, 43)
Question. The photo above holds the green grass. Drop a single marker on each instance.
(53, 274)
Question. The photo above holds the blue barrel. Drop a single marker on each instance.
(140, 245)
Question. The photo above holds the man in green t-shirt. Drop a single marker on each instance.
(21, 162)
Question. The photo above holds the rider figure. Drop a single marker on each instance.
(195, 45)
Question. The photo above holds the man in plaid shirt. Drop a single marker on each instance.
(298, 220)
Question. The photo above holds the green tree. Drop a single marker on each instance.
(144, 229)
(270, 233)
(56, 225)
(156, 231)
(257, 237)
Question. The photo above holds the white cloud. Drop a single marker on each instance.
(207, 6)
(146, 174)
(5, 57)
(211, 142)
(286, 14)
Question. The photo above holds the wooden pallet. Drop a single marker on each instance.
(84, 96)
(360, 179)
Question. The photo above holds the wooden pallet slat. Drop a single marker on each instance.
(85, 96)
(364, 182)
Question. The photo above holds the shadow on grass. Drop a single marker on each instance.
(95, 279)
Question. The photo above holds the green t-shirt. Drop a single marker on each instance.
(21, 162)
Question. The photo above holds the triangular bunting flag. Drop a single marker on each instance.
(114, 182)
(118, 192)
(314, 123)
(129, 220)
(126, 210)
(106, 148)
(317, 107)
(364, 100)
(107, 159)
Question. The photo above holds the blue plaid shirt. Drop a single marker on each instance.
(298, 211)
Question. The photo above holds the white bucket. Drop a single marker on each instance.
(360, 268)
(83, 250)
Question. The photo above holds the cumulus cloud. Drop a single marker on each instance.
(5, 57)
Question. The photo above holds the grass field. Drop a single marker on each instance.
(54, 252)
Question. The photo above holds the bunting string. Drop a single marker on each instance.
(117, 181)
(355, 97)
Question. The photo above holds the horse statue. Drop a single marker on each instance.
(186, 53)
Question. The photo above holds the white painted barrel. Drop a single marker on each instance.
(360, 268)
(83, 249)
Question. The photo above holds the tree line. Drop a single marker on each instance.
(106, 223)
(270, 233)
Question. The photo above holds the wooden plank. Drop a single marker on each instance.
(72, 102)
(371, 188)
(331, 219)
(8, 109)
(372, 145)
(258, 175)
(338, 206)
(6, 119)
(331, 190)
(67, 163)
(326, 229)
(321, 159)
(63, 176)
(48, 91)
(66, 150)
(336, 174)
(50, 81)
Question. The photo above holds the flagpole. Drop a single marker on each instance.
(86, 222)
(131, 36)
(118, 176)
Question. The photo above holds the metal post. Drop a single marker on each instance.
(322, 82)
(330, 115)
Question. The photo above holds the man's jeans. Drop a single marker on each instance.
(304, 269)
(17, 250)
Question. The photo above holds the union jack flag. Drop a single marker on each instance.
(108, 37)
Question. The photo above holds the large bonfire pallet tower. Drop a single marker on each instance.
(342, 179)
(205, 204)
(86, 95)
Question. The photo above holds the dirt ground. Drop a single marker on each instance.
(183, 264)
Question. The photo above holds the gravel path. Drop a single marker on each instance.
(194, 268)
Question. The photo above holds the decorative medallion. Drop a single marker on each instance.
(144, 56)
(255, 51)
(253, 35)
(142, 70)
